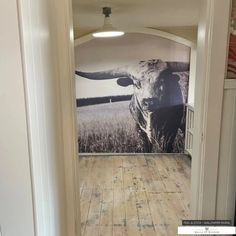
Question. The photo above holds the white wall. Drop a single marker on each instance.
(16, 208)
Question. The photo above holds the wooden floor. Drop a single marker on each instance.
(134, 195)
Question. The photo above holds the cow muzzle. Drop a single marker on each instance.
(150, 104)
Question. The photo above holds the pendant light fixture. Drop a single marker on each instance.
(107, 30)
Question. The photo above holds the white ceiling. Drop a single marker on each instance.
(136, 13)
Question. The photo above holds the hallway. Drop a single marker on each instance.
(134, 195)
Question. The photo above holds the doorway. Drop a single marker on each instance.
(129, 193)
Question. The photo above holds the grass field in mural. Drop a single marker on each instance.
(110, 128)
(107, 128)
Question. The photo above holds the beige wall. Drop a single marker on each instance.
(188, 32)
(16, 210)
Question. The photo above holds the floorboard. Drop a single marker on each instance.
(136, 195)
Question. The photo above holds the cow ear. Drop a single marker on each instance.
(124, 81)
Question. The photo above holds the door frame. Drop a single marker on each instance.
(213, 33)
(47, 51)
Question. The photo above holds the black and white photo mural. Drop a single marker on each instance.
(131, 94)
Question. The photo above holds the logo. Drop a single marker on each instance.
(203, 230)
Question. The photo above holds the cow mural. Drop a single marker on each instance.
(157, 104)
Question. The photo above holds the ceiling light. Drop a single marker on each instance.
(107, 30)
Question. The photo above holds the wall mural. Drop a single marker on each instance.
(147, 117)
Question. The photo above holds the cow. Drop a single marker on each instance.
(157, 103)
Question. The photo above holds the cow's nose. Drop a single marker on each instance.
(148, 101)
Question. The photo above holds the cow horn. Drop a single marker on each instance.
(102, 75)
(178, 66)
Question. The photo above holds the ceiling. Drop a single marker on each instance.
(88, 16)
